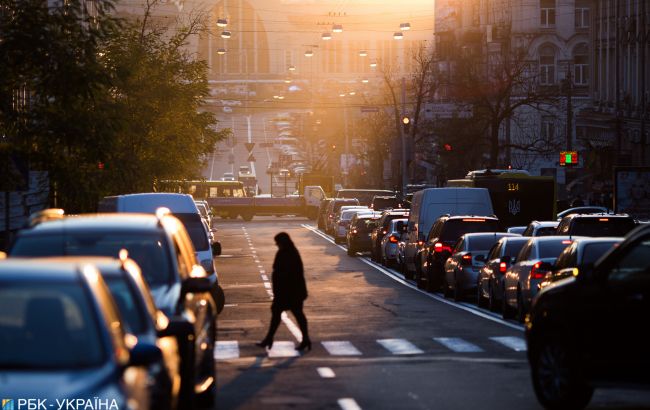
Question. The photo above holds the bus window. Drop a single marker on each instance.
(238, 193)
(214, 192)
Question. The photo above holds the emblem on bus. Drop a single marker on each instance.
(514, 206)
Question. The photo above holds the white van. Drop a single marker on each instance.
(429, 204)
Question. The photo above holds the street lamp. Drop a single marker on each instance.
(292, 68)
(398, 35)
(221, 51)
(222, 22)
(309, 53)
(226, 34)
(363, 53)
(373, 64)
(326, 36)
(337, 28)
(365, 81)
(405, 26)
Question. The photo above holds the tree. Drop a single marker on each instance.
(496, 86)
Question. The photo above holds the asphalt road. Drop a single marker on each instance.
(378, 341)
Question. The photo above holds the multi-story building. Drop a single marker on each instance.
(615, 127)
(554, 37)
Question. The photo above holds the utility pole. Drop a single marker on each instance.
(405, 178)
(568, 83)
(642, 55)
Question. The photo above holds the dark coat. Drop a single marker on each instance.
(289, 287)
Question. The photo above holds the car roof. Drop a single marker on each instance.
(39, 269)
(552, 238)
(487, 234)
(98, 222)
(545, 224)
(603, 239)
(107, 265)
(469, 217)
(598, 215)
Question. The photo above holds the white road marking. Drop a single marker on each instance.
(348, 404)
(226, 349)
(230, 305)
(267, 285)
(262, 271)
(283, 349)
(399, 346)
(515, 343)
(260, 266)
(253, 251)
(458, 345)
(341, 348)
(264, 277)
(399, 278)
(326, 373)
(293, 328)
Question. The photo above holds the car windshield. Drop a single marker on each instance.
(195, 229)
(365, 225)
(552, 249)
(48, 326)
(602, 226)
(380, 204)
(546, 231)
(482, 243)
(593, 251)
(455, 228)
(148, 250)
(128, 303)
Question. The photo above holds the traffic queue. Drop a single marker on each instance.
(579, 284)
(115, 309)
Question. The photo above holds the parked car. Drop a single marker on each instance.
(63, 337)
(343, 221)
(579, 257)
(136, 306)
(490, 277)
(438, 246)
(382, 229)
(162, 248)
(332, 208)
(388, 249)
(428, 205)
(467, 258)
(583, 210)
(541, 228)
(588, 331)
(612, 225)
(534, 261)
(361, 226)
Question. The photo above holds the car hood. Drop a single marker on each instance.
(102, 382)
(166, 297)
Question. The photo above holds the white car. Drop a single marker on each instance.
(228, 176)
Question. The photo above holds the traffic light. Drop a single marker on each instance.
(448, 147)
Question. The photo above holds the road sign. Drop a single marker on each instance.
(251, 158)
(250, 146)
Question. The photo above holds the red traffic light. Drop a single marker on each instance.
(448, 147)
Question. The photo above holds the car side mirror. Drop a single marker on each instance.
(144, 354)
(178, 327)
(216, 248)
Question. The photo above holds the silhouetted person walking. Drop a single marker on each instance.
(289, 290)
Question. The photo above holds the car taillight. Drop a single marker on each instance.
(466, 259)
(392, 239)
(440, 247)
(536, 272)
(503, 267)
(420, 243)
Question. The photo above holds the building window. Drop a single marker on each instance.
(547, 13)
(582, 17)
(547, 65)
(547, 132)
(581, 65)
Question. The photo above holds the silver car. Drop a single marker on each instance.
(468, 257)
(388, 247)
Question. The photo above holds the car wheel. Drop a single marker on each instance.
(521, 311)
(446, 289)
(506, 311)
(207, 397)
(185, 340)
(458, 293)
(418, 277)
(480, 300)
(492, 302)
(556, 379)
(407, 273)
(351, 251)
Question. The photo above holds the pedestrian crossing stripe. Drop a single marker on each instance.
(229, 349)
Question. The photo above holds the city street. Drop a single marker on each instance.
(378, 341)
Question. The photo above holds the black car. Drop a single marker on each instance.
(443, 235)
(163, 250)
(596, 225)
(358, 238)
(383, 202)
(589, 330)
(61, 336)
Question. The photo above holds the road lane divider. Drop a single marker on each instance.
(326, 372)
(341, 348)
(348, 403)
(226, 350)
(515, 343)
(458, 345)
(399, 346)
(399, 278)
(283, 349)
